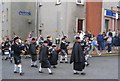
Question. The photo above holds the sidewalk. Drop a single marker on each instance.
(115, 52)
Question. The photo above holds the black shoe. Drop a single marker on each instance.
(54, 67)
(83, 73)
(36, 66)
(15, 72)
(40, 71)
(32, 65)
(6, 58)
(11, 61)
(50, 73)
(61, 62)
(66, 62)
(76, 73)
(87, 64)
(21, 74)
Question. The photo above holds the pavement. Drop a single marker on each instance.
(100, 68)
(115, 52)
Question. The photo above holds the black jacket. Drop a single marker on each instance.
(77, 55)
(16, 49)
(43, 54)
(63, 45)
(32, 49)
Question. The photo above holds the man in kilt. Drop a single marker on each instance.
(17, 57)
(33, 53)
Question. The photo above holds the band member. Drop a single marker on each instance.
(33, 53)
(26, 48)
(43, 57)
(17, 57)
(63, 46)
(7, 49)
(49, 40)
(53, 56)
(78, 57)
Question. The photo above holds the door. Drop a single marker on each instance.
(106, 24)
(80, 25)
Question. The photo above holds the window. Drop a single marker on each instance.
(79, 2)
(7, 14)
(40, 3)
(106, 24)
(58, 2)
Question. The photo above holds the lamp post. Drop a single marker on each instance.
(36, 19)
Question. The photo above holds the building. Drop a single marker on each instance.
(100, 16)
(54, 18)
(58, 18)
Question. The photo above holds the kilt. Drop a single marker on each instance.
(34, 57)
(17, 60)
(79, 66)
(45, 64)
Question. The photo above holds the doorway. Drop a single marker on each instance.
(79, 25)
(106, 24)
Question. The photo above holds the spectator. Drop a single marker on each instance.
(109, 43)
(100, 39)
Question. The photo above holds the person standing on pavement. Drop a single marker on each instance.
(17, 57)
(78, 57)
(109, 43)
(43, 57)
(100, 39)
(94, 46)
(33, 53)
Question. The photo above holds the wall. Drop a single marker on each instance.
(60, 18)
(19, 23)
(53, 18)
(93, 17)
(6, 17)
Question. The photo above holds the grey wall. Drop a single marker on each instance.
(19, 23)
(54, 18)
(7, 20)
(61, 17)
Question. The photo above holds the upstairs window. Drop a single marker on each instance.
(79, 2)
(58, 2)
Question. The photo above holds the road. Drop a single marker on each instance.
(100, 68)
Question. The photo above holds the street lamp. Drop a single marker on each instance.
(36, 19)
